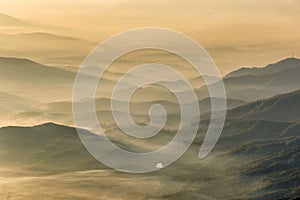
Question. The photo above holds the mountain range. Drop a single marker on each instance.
(244, 84)
(27, 79)
(256, 159)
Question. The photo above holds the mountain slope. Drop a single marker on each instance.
(259, 83)
(10, 104)
(7, 20)
(242, 163)
(45, 47)
(47, 148)
(32, 80)
(284, 107)
(39, 82)
(284, 64)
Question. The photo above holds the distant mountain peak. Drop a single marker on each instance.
(287, 60)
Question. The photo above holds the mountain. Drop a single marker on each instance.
(273, 158)
(254, 158)
(48, 37)
(43, 83)
(32, 80)
(49, 141)
(26, 78)
(7, 20)
(246, 84)
(26, 70)
(45, 47)
(40, 82)
(61, 112)
(250, 84)
(260, 141)
(10, 104)
(284, 64)
(137, 107)
(47, 148)
(283, 107)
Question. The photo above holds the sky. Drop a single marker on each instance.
(235, 33)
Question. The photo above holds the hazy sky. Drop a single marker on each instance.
(236, 33)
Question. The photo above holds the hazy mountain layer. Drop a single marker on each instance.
(17, 78)
(11, 104)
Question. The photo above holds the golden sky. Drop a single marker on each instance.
(236, 33)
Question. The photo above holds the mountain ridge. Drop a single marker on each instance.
(261, 83)
(274, 67)
(282, 107)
